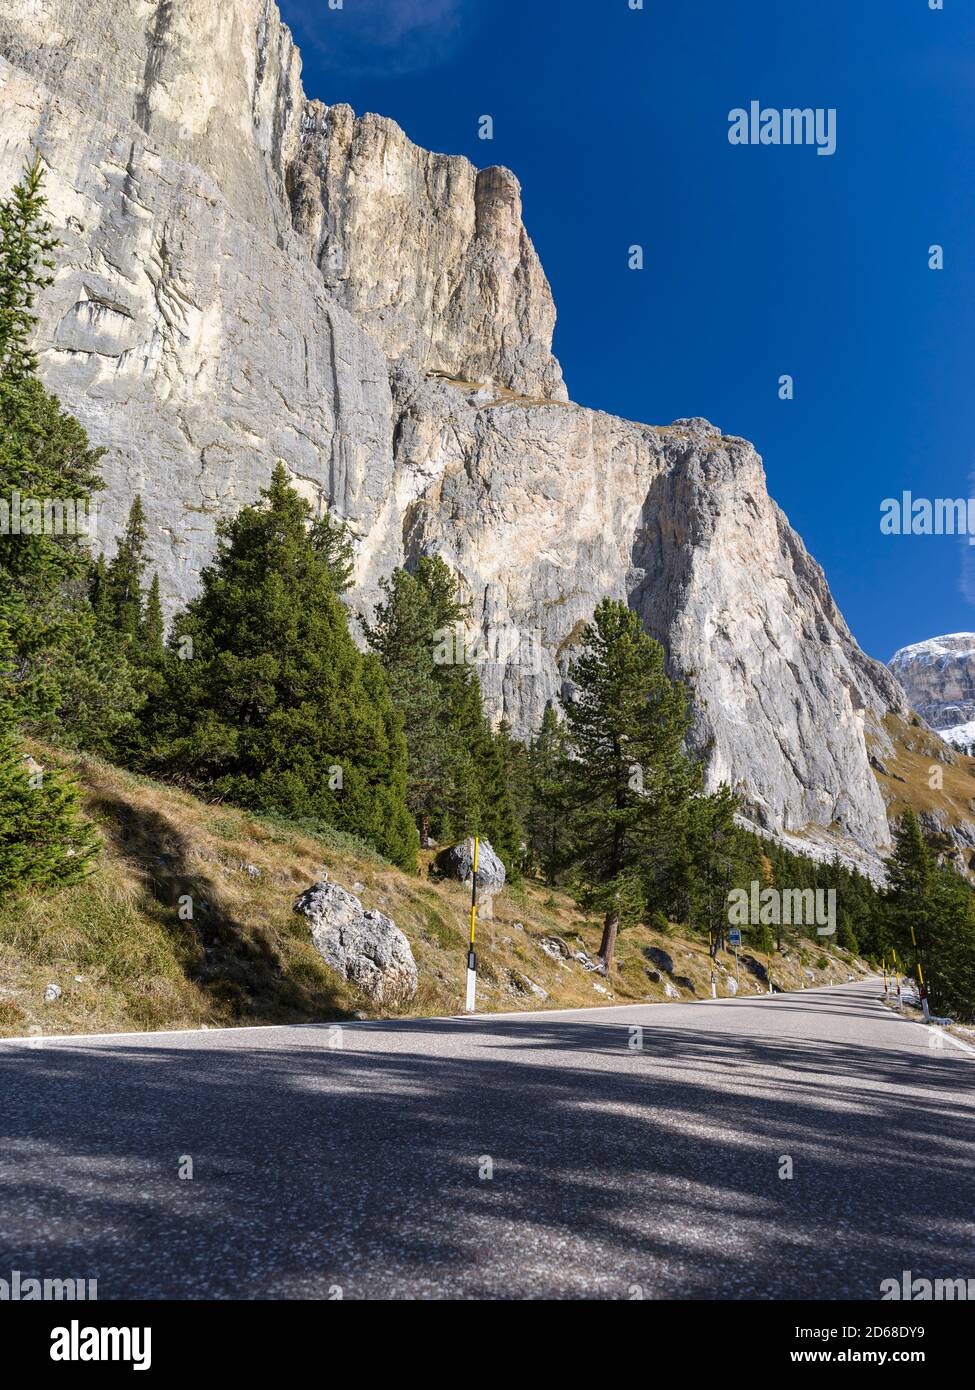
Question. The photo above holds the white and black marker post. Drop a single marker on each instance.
(471, 955)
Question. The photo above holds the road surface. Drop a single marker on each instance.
(620, 1166)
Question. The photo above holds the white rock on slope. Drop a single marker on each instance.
(457, 861)
(365, 947)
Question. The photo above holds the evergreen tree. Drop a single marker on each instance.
(45, 457)
(402, 635)
(331, 538)
(458, 769)
(845, 935)
(930, 915)
(98, 593)
(949, 950)
(910, 883)
(911, 865)
(269, 703)
(123, 578)
(760, 938)
(150, 657)
(152, 628)
(716, 856)
(26, 247)
(130, 621)
(548, 801)
(67, 682)
(492, 812)
(44, 841)
(626, 728)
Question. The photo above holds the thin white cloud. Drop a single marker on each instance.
(390, 37)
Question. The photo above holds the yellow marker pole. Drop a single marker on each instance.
(713, 953)
(471, 956)
(922, 988)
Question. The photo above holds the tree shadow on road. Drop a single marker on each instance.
(364, 1166)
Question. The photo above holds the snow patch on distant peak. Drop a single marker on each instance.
(959, 735)
(949, 647)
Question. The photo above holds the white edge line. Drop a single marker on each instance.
(929, 1027)
(38, 1040)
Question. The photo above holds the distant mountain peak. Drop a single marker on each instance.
(938, 676)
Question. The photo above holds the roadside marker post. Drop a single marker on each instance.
(712, 952)
(471, 954)
(922, 988)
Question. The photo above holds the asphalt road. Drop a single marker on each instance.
(619, 1171)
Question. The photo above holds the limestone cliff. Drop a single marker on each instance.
(247, 274)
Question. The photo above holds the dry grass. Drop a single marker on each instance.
(504, 396)
(907, 784)
(127, 957)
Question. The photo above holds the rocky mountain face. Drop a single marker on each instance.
(247, 274)
(938, 677)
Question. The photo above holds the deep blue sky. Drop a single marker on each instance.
(759, 261)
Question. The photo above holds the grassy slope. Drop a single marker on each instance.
(907, 781)
(126, 960)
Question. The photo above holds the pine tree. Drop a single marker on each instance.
(26, 247)
(511, 758)
(402, 635)
(331, 538)
(548, 800)
(458, 781)
(44, 841)
(949, 951)
(910, 882)
(152, 628)
(715, 859)
(150, 659)
(98, 592)
(492, 812)
(626, 728)
(911, 866)
(930, 915)
(67, 683)
(845, 935)
(269, 702)
(123, 578)
(44, 567)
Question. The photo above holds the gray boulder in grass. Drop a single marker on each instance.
(458, 862)
(366, 948)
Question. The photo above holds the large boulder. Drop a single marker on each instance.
(458, 862)
(366, 948)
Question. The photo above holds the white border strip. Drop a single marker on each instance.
(37, 1040)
